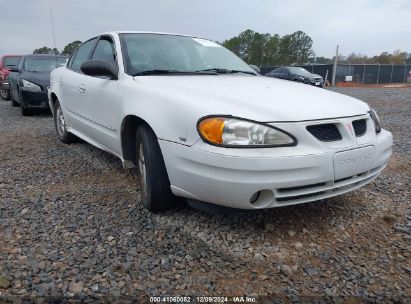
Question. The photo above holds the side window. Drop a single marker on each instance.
(105, 50)
(82, 54)
(70, 61)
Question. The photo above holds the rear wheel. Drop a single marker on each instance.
(60, 124)
(4, 93)
(155, 189)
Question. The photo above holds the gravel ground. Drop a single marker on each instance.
(70, 226)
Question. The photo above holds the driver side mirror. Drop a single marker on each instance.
(96, 67)
(255, 68)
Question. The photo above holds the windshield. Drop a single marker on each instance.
(156, 52)
(47, 64)
(299, 71)
(11, 61)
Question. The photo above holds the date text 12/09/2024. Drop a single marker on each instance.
(203, 299)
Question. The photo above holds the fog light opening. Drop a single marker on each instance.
(255, 197)
(262, 199)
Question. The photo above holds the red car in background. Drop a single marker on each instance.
(6, 63)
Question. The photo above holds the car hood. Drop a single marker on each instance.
(40, 78)
(315, 76)
(257, 98)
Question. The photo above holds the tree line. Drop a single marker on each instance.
(273, 50)
(67, 50)
(296, 48)
(267, 50)
(397, 57)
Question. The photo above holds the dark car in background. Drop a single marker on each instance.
(7, 62)
(30, 80)
(297, 74)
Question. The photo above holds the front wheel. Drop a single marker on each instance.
(60, 124)
(14, 103)
(24, 111)
(155, 189)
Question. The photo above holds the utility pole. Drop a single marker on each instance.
(334, 68)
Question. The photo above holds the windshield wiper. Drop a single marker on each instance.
(157, 72)
(171, 72)
(225, 71)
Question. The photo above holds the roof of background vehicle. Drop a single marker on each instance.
(43, 55)
(4, 56)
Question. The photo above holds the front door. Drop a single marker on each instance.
(100, 99)
(71, 84)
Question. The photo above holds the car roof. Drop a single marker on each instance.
(150, 32)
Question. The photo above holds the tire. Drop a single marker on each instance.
(4, 93)
(14, 103)
(24, 110)
(155, 189)
(60, 125)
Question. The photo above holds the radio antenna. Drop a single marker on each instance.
(54, 35)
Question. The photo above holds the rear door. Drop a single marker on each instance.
(287, 74)
(73, 87)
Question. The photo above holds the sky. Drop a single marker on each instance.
(362, 26)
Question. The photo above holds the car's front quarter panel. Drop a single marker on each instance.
(55, 86)
(171, 116)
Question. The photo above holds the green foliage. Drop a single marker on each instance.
(67, 51)
(71, 47)
(266, 49)
(46, 50)
(397, 57)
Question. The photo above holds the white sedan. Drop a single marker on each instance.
(201, 124)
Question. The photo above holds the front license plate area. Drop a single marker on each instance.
(353, 162)
(317, 83)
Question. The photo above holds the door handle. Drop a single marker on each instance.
(82, 88)
(61, 81)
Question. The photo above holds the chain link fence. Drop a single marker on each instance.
(361, 73)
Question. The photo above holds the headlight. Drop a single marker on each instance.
(236, 132)
(376, 120)
(29, 86)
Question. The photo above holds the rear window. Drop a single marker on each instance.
(11, 61)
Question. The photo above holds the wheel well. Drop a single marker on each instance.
(53, 99)
(128, 136)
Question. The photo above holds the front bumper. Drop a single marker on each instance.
(281, 176)
(317, 83)
(34, 100)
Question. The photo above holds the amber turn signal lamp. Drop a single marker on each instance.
(211, 129)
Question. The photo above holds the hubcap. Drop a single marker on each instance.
(142, 167)
(61, 125)
(3, 92)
